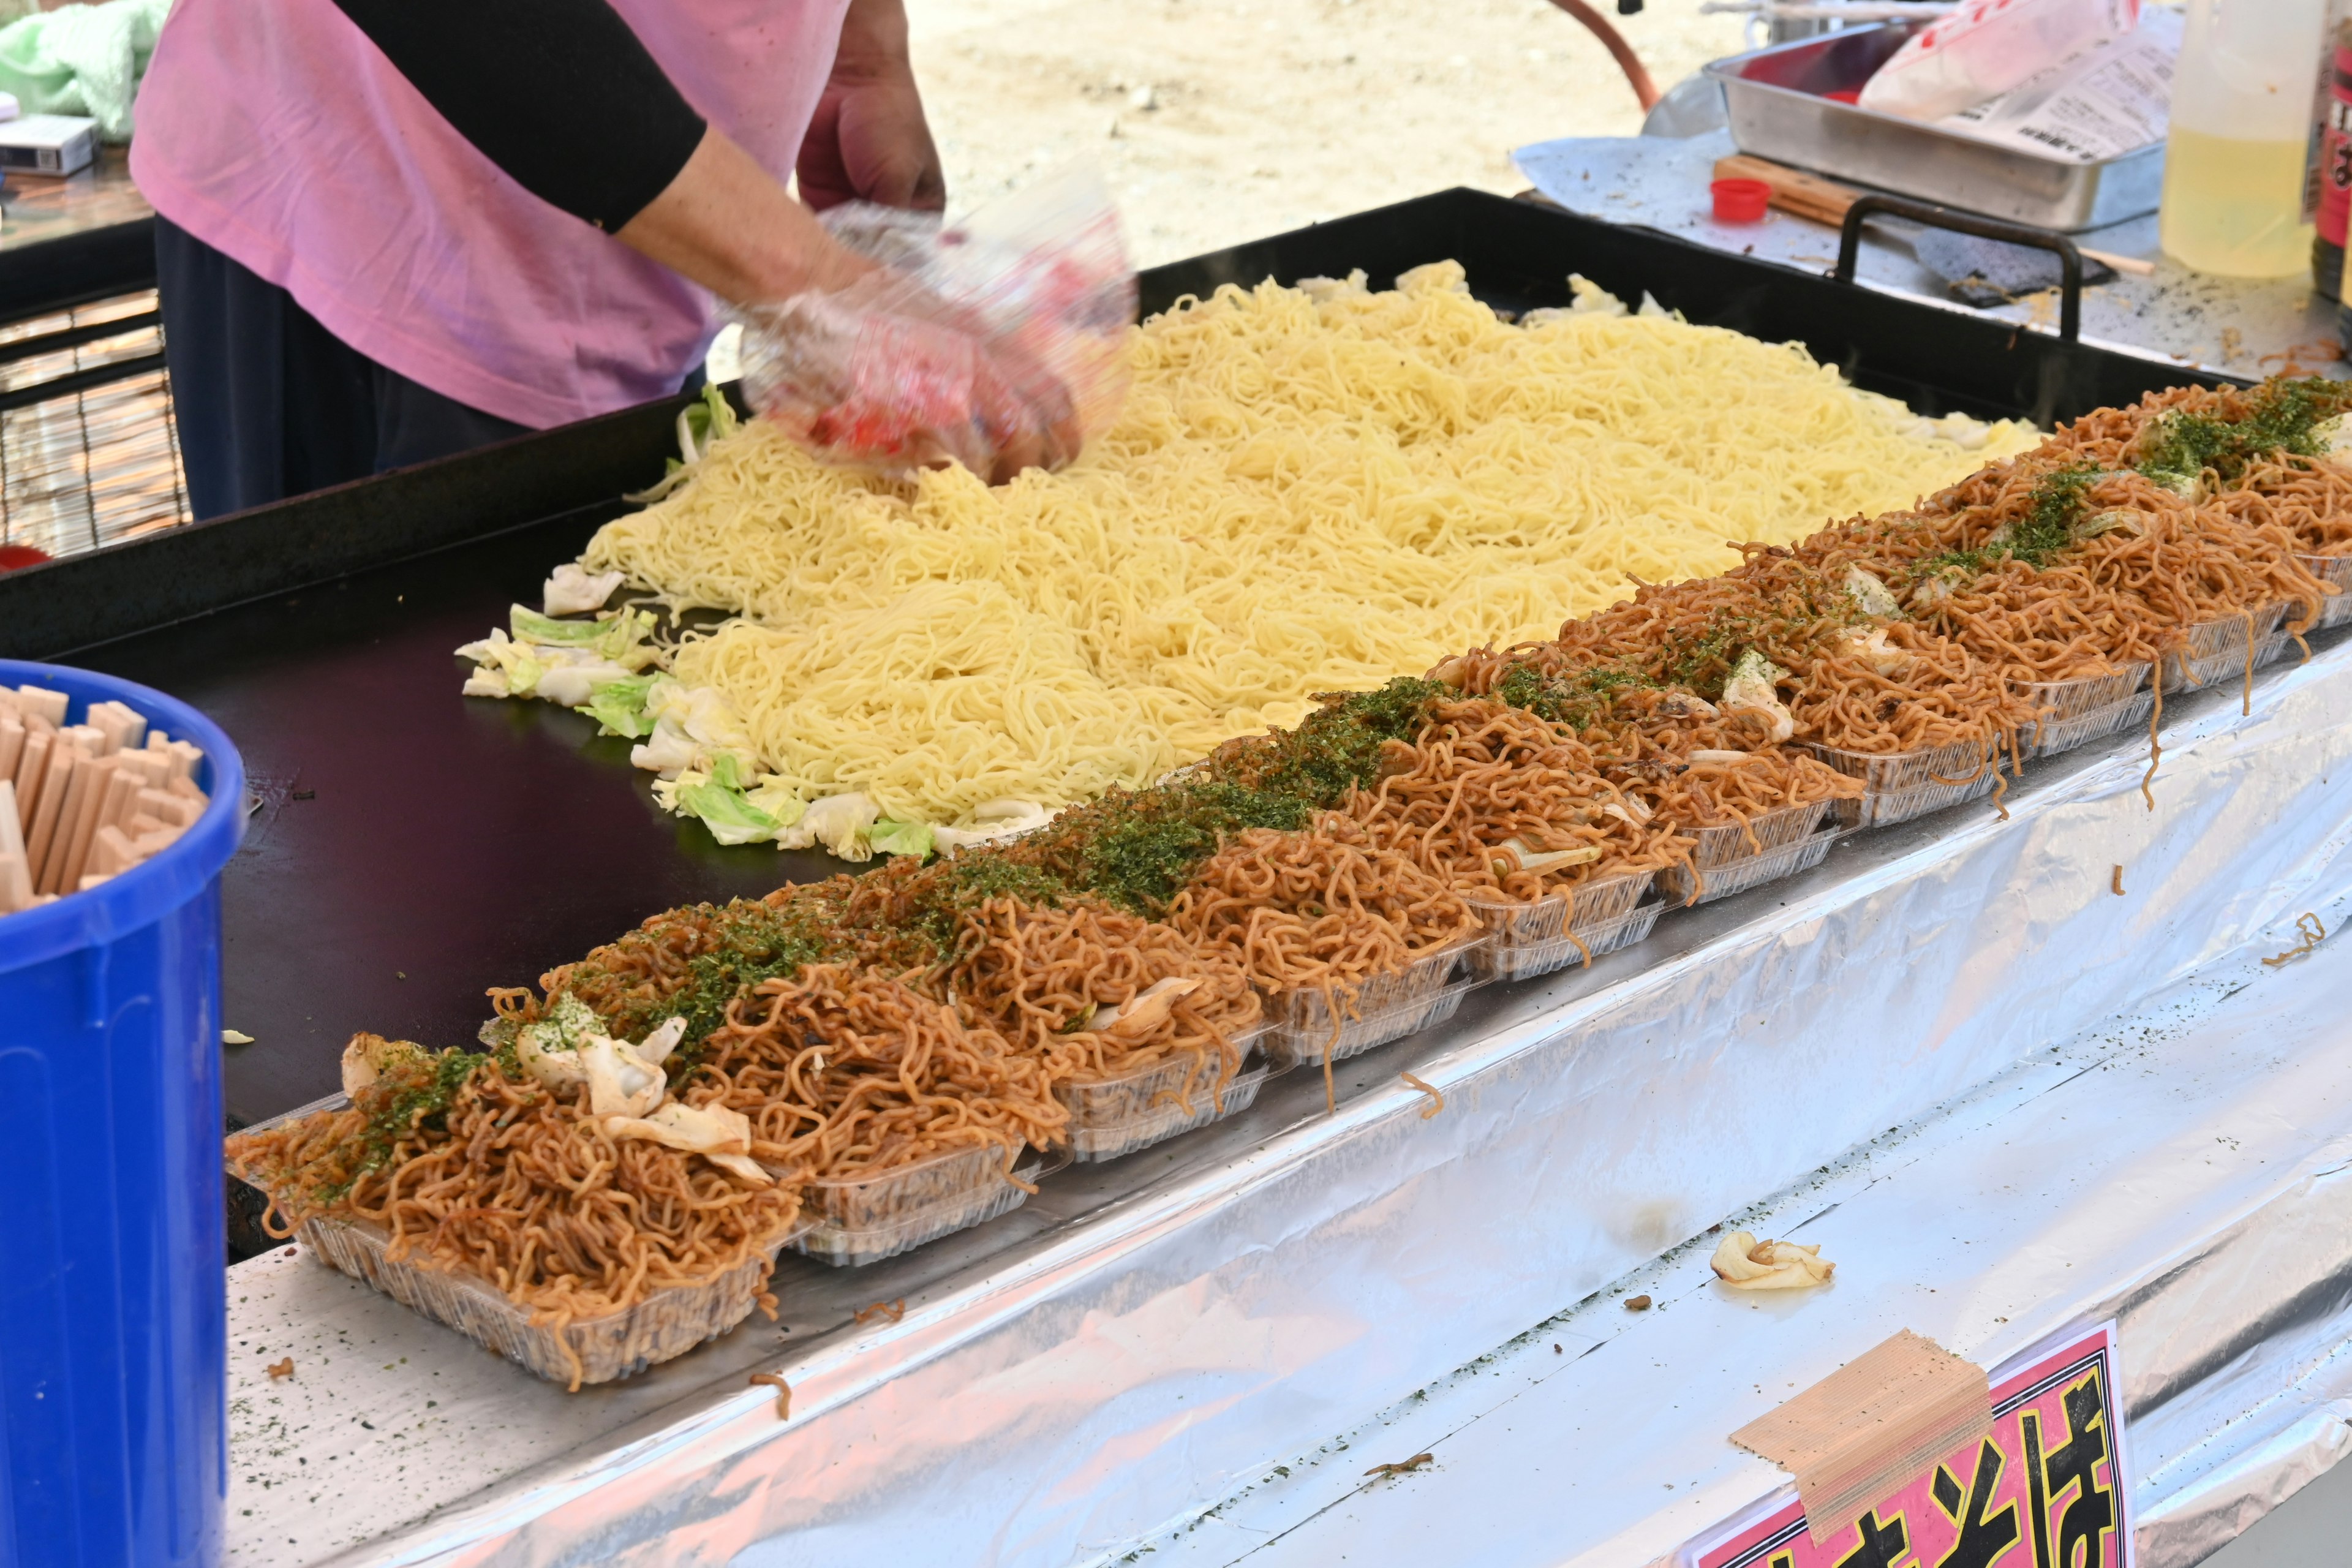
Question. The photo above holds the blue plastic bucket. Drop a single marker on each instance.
(113, 1332)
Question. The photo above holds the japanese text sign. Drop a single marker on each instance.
(2045, 1489)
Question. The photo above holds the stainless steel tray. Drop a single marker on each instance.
(1775, 101)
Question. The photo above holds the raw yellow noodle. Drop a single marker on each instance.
(1305, 491)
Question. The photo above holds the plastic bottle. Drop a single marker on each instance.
(2240, 137)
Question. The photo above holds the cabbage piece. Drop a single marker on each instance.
(1754, 683)
(368, 1056)
(1875, 651)
(993, 821)
(720, 1135)
(572, 590)
(1872, 594)
(730, 818)
(571, 676)
(1147, 1010)
(778, 798)
(839, 823)
(1530, 858)
(619, 706)
(529, 625)
(656, 1048)
(889, 838)
(550, 1048)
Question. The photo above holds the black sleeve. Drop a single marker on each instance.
(558, 93)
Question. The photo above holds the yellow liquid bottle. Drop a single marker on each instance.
(2242, 122)
(2235, 207)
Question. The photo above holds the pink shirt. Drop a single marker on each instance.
(277, 134)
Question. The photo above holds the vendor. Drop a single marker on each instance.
(389, 230)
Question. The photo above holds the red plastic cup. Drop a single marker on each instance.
(1846, 95)
(13, 556)
(1740, 201)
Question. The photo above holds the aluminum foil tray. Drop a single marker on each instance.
(2335, 569)
(1526, 960)
(1388, 1007)
(1605, 899)
(855, 1220)
(1759, 836)
(1776, 100)
(1687, 885)
(664, 1325)
(1129, 1110)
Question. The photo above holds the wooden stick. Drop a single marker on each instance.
(1826, 201)
(32, 768)
(55, 782)
(96, 779)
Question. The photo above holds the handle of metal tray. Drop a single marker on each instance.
(2070, 259)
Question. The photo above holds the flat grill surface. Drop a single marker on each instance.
(410, 846)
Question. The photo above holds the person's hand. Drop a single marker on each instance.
(868, 140)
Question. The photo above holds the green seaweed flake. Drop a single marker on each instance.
(2177, 448)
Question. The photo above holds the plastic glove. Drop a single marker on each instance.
(1000, 344)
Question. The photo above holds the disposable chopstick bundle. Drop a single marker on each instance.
(81, 803)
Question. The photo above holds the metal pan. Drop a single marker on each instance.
(1776, 103)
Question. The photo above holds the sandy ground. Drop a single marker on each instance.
(1220, 121)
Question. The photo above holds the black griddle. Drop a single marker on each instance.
(410, 847)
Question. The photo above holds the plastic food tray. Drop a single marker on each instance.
(657, 1329)
(2336, 569)
(1513, 920)
(2216, 650)
(857, 1220)
(1388, 1007)
(2072, 699)
(1129, 1110)
(1900, 785)
(2053, 736)
(1772, 830)
(1525, 960)
(1687, 885)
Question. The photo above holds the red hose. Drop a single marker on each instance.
(1627, 60)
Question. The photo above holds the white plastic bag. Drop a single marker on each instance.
(997, 342)
(1987, 46)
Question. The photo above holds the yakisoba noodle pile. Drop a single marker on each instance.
(853, 1027)
(1307, 491)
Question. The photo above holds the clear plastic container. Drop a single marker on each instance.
(1515, 920)
(1761, 835)
(1900, 785)
(2336, 610)
(1386, 1007)
(1687, 885)
(2217, 649)
(2066, 704)
(1501, 960)
(660, 1328)
(1132, 1110)
(857, 1220)
(2053, 736)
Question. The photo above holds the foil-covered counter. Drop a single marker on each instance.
(1148, 1335)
